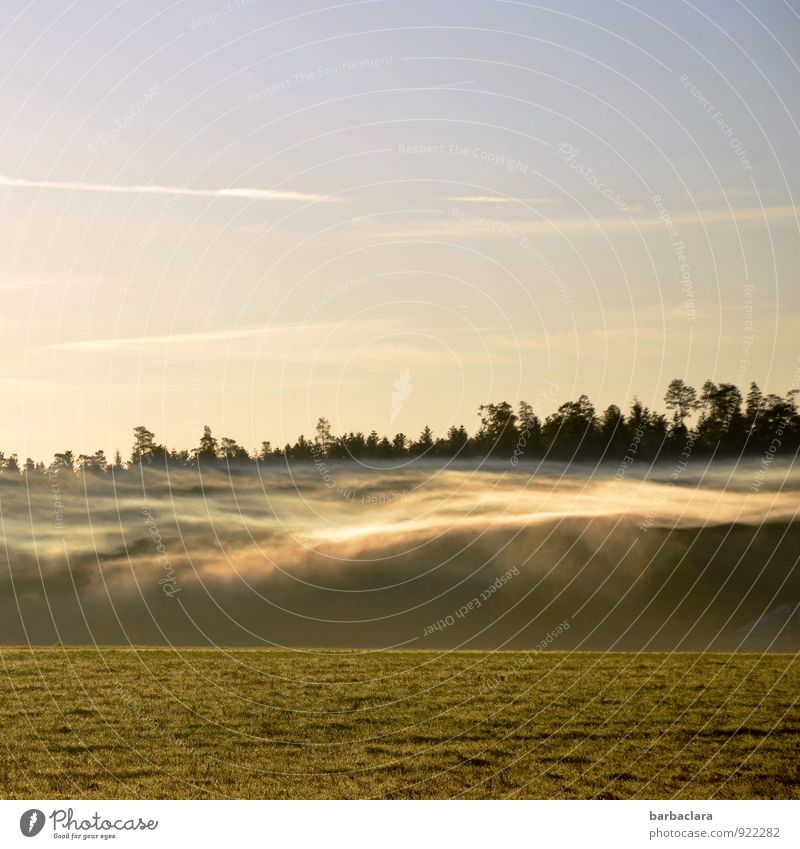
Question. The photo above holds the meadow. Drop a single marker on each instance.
(259, 723)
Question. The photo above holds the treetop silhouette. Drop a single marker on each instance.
(726, 426)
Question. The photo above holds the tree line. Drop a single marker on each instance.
(716, 420)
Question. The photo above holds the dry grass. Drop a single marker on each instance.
(191, 723)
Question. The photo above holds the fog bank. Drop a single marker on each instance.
(420, 556)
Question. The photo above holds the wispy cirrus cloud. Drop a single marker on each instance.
(460, 224)
(235, 193)
(284, 344)
(499, 199)
(195, 338)
(284, 333)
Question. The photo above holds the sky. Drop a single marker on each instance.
(253, 214)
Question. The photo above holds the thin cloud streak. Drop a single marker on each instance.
(183, 191)
(484, 228)
(499, 199)
(178, 338)
(291, 332)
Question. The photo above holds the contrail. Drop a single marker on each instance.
(116, 188)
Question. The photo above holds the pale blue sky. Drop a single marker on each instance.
(438, 162)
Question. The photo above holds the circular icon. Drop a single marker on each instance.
(31, 822)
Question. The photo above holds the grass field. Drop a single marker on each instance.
(127, 723)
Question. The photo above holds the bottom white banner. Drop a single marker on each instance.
(371, 824)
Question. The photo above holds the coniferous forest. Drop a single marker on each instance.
(716, 421)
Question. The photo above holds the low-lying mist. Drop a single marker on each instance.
(417, 556)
